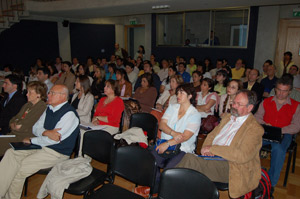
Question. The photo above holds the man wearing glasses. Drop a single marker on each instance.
(56, 132)
(283, 112)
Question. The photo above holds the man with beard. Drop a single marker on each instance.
(237, 139)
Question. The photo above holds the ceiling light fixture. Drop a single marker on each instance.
(158, 7)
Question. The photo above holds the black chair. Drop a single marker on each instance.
(186, 183)
(292, 151)
(98, 145)
(147, 122)
(221, 186)
(135, 164)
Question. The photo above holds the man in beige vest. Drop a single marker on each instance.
(237, 139)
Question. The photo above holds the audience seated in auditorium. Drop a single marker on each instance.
(191, 67)
(163, 73)
(166, 98)
(82, 69)
(124, 83)
(165, 85)
(21, 124)
(237, 139)
(238, 70)
(196, 80)
(180, 124)
(75, 64)
(226, 100)
(97, 88)
(294, 70)
(219, 66)
(146, 94)
(82, 99)
(43, 75)
(253, 85)
(206, 99)
(284, 112)
(131, 73)
(269, 81)
(58, 64)
(221, 82)
(109, 109)
(285, 64)
(181, 71)
(12, 102)
(111, 72)
(67, 78)
(155, 79)
(61, 121)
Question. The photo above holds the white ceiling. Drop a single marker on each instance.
(83, 9)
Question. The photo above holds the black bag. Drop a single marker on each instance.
(263, 191)
(171, 151)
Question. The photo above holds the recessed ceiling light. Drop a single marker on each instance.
(157, 7)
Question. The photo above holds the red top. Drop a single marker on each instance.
(280, 118)
(112, 110)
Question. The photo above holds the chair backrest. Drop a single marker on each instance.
(121, 122)
(181, 183)
(99, 145)
(135, 164)
(147, 122)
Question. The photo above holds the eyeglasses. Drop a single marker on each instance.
(53, 93)
(238, 104)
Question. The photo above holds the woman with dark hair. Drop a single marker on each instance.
(67, 78)
(197, 78)
(208, 64)
(140, 52)
(139, 64)
(180, 124)
(202, 69)
(226, 99)
(109, 109)
(82, 69)
(53, 72)
(21, 124)
(191, 67)
(146, 94)
(207, 99)
(98, 84)
(111, 72)
(221, 82)
(285, 64)
(124, 83)
(165, 85)
(82, 99)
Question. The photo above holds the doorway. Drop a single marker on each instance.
(288, 40)
(134, 37)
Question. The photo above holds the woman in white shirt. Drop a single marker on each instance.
(82, 99)
(206, 99)
(165, 85)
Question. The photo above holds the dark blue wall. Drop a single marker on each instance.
(232, 54)
(27, 40)
(92, 40)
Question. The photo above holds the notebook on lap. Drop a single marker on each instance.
(272, 133)
(23, 146)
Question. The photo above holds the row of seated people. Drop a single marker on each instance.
(237, 139)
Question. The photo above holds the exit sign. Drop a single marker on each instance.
(296, 12)
(132, 21)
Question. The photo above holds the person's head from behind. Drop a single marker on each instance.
(181, 67)
(175, 81)
(82, 83)
(293, 70)
(243, 103)
(233, 87)
(129, 67)
(12, 83)
(253, 75)
(266, 65)
(186, 94)
(36, 91)
(43, 74)
(146, 80)
(207, 85)
(111, 88)
(197, 76)
(271, 70)
(58, 94)
(284, 87)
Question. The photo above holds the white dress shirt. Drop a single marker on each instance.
(228, 132)
(68, 123)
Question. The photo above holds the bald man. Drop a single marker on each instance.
(56, 132)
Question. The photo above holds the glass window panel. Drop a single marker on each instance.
(169, 29)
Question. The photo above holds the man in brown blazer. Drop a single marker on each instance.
(237, 139)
